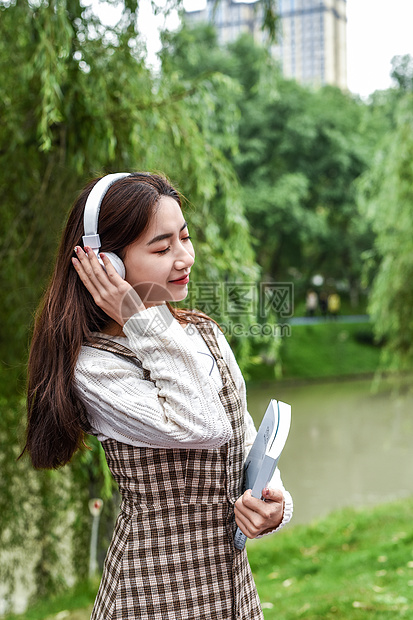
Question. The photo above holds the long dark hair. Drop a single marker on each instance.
(67, 316)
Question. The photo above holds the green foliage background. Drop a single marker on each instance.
(386, 199)
(78, 100)
(269, 169)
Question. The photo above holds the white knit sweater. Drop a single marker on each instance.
(180, 407)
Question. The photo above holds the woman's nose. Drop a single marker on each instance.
(186, 258)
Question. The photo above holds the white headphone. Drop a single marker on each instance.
(91, 218)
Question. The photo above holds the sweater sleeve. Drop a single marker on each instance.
(179, 408)
(250, 430)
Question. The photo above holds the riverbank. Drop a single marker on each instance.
(347, 566)
(329, 349)
(321, 350)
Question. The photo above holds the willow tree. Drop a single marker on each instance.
(76, 100)
(386, 197)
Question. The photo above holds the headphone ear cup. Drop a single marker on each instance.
(116, 262)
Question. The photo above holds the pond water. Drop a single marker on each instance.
(349, 445)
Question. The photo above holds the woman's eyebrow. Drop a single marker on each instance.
(165, 235)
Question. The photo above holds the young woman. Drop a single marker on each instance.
(161, 390)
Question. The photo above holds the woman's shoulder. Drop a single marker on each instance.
(203, 325)
(202, 320)
(103, 349)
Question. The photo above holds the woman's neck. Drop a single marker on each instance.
(113, 329)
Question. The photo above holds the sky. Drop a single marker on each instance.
(377, 30)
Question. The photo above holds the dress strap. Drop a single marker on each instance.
(206, 330)
(100, 342)
(107, 344)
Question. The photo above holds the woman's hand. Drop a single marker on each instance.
(254, 516)
(110, 292)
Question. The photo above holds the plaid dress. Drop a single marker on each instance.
(172, 553)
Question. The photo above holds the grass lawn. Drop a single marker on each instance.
(323, 350)
(73, 604)
(329, 349)
(351, 565)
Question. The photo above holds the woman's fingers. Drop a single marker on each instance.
(109, 268)
(84, 273)
(95, 279)
(110, 292)
(97, 270)
(92, 270)
(274, 498)
(91, 273)
(84, 261)
(248, 520)
(244, 525)
(254, 516)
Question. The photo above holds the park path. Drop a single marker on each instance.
(345, 318)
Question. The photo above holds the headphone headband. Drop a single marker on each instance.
(92, 208)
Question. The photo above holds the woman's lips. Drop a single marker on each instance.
(183, 280)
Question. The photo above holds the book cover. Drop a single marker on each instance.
(263, 457)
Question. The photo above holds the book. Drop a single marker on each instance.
(263, 457)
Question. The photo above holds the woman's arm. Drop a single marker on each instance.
(254, 517)
(180, 407)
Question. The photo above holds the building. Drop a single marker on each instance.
(311, 44)
(312, 47)
(231, 19)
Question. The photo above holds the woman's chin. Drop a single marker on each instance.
(181, 297)
(170, 299)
